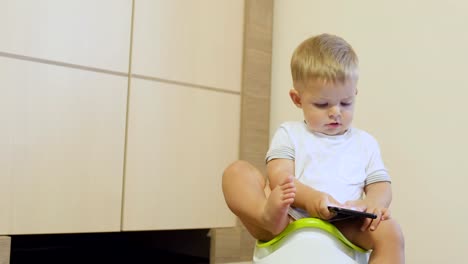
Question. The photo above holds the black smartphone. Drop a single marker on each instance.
(344, 213)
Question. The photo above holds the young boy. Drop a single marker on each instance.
(321, 160)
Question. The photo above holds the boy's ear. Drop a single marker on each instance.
(295, 97)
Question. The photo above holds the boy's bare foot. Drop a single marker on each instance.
(276, 208)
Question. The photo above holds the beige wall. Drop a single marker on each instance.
(412, 98)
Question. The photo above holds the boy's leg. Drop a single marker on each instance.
(264, 217)
(387, 242)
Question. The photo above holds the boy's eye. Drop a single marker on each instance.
(346, 103)
(321, 105)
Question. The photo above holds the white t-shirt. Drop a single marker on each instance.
(338, 165)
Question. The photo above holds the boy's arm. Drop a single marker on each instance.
(377, 200)
(378, 194)
(313, 201)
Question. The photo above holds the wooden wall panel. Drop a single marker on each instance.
(235, 244)
(5, 246)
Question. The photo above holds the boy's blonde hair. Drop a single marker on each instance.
(324, 57)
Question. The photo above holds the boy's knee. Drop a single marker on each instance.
(242, 172)
(235, 167)
(239, 168)
(394, 232)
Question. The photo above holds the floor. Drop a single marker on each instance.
(187, 246)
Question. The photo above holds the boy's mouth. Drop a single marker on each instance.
(334, 124)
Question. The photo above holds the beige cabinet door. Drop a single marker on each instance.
(63, 86)
(79, 32)
(180, 139)
(191, 42)
(62, 146)
(184, 113)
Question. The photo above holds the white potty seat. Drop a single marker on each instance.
(309, 240)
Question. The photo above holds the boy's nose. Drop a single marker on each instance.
(334, 112)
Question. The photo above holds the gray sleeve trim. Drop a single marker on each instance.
(280, 154)
(378, 176)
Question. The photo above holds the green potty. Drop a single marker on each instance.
(309, 240)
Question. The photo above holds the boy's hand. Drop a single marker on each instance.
(364, 206)
(317, 205)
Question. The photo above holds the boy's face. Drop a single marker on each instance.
(328, 106)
